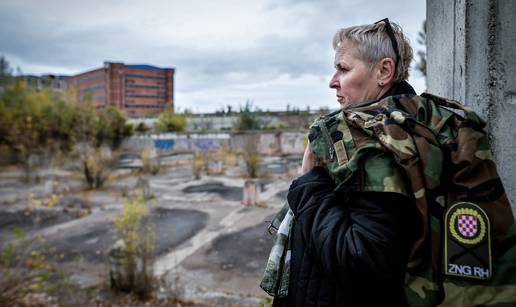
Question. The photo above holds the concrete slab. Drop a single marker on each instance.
(217, 246)
(93, 240)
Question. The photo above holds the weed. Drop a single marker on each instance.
(230, 158)
(252, 162)
(96, 167)
(131, 257)
(27, 275)
(199, 163)
(267, 302)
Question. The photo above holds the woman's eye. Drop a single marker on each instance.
(341, 68)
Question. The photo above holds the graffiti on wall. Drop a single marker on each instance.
(206, 144)
(182, 144)
(164, 144)
(265, 143)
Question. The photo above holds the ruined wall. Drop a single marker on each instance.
(266, 143)
(471, 47)
(179, 141)
(293, 142)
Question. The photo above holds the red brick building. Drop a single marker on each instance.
(139, 90)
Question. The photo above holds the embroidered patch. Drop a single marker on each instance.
(467, 250)
(340, 150)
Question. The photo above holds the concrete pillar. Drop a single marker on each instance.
(251, 192)
(470, 48)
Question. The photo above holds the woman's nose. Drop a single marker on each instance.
(334, 82)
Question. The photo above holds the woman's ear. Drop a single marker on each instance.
(385, 72)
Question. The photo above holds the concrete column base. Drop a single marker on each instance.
(251, 192)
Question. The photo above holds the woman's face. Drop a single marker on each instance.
(353, 80)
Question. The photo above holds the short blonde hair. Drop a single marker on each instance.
(373, 44)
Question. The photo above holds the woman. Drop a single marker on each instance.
(350, 248)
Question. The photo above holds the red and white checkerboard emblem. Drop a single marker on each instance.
(468, 225)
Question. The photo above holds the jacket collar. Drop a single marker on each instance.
(399, 88)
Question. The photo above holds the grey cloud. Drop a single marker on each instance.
(38, 42)
(48, 43)
(38, 39)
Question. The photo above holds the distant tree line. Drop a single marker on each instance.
(421, 63)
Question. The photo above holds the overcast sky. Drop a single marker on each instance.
(272, 52)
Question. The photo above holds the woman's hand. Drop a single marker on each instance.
(309, 160)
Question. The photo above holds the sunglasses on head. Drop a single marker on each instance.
(394, 43)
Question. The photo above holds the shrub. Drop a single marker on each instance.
(27, 276)
(13, 287)
(113, 128)
(247, 118)
(38, 123)
(141, 128)
(267, 302)
(199, 164)
(96, 167)
(276, 125)
(132, 254)
(230, 158)
(252, 159)
(168, 121)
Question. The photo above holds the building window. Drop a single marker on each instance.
(133, 85)
(145, 106)
(145, 96)
(90, 87)
(145, 76)
(91, 78)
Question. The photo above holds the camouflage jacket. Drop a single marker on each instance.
(417, 146)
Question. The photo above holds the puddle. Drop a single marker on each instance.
(69, 208)
(228, 193)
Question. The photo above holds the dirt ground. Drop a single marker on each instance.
(210, 249)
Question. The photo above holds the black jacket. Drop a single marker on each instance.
(348, 248)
